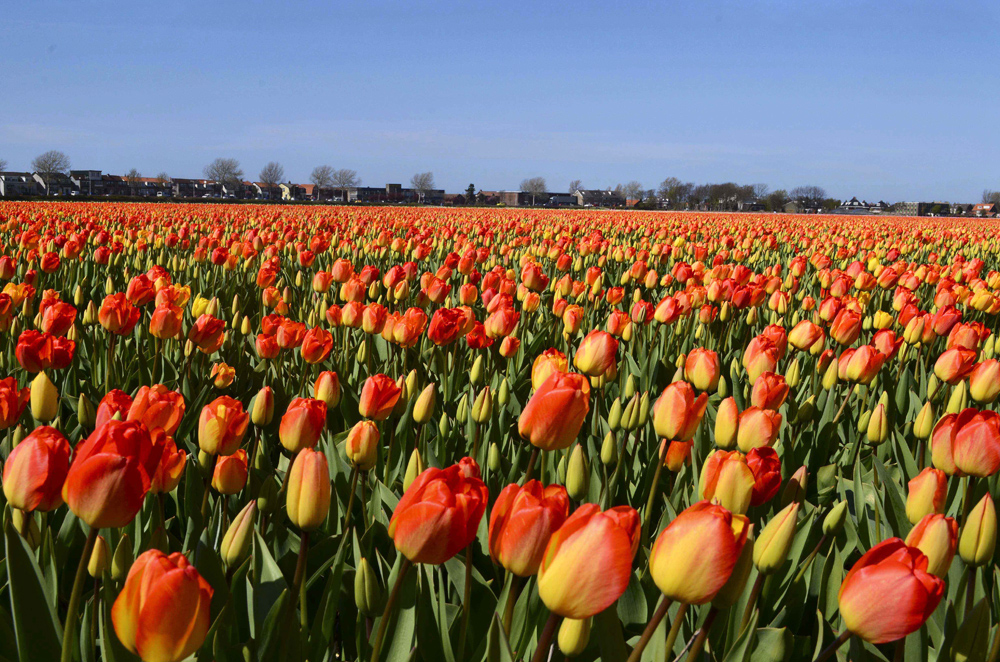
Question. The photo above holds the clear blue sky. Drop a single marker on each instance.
(898, 101)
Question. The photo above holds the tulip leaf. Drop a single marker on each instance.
(269, 585)
(632, 608)
(742, 647)
(973, 637)
(607, 631)
(497, 646)
(773, 645)
(36, 624)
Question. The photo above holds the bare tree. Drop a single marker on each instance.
(808, 193)
(50, 164)
(322, 177)
(271, 175)
(760, 191)
(574, 186)
(225, 171)
(163, 178)
(132, 178)
(345, 179)
(535, 187)
(633, 190)
(3, 165)
(422, 182)
(990, 196)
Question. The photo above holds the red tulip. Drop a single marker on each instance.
(302, 424)
(43, 351)
(555, 412)
(118, 315)
(521, 523)
(36, 469)
(378, 398)
(12, 402)
(157, 407)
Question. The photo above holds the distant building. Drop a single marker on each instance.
(54, 183)
(17, 183)
(861, 207)
(87, 182)
(921, 208)
(598, 198)
(984, 209)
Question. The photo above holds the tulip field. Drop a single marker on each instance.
(242, 433)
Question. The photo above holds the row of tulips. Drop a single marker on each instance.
(256, 433)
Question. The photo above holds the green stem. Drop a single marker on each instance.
(531, 465)
(350, 499)
(466, 604)
(387, 614)
(653, 492)
(512, 595)
(73, 611)
(754, 594)
(699, 642)
(809, 560)
(647, 634)
(544, 639)
(675, 627)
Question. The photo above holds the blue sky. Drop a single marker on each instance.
(897, 101)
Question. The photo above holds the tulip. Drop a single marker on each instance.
(757, 428)
(890, 569)
(44, 398)
(316, 345)
(979, 533)
(760, 356)
(975, 442)
(521, 523)
(596, 353)
(118, 315)
(937, 537)
(766, 468)
(208, 333)
(423, 407)
(694, 556)
(12, 402)
(984, 381)
(308, 495)
(302, 424)
(574, 635)
(955, 364)
(378, 398)
(166, 321)
(170, 469)
(158, 408)
(236, 543)
(262, 407)
(555, 412)
(36, 469)
(438, 515)
(677, 412)
(727, 423)
(588, 561)
(770, 550)
(162, 613)
(769, 391)
(926, 494)
(549, 361)
(804, 335)
(702, 369)
(221, 426)
(846, 327)
(727, 479)
(361, 446)
(327, 389)
(230, 475)
(111, 473)
(100, 559)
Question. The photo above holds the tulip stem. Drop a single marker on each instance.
(545, 638)
(350, 499)
(675, 627)
(73, 611)
(653, 492)
(208, 488)
(840, 411)
(466, 604)
(698, 644)
(647, 634)
(387, 613)
(531, 465)
(809, 560)
(966, 499)
(832, 648)
(508, 608)
(111, 359)
(970, 591)
(752, 601)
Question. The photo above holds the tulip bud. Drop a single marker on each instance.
(482, 407)
(630, 416)
(99, 558)
(159, 540)
(423, 408)
(414, 468)
(493, 457)
(643, 409)
(795, 488)
(833, 523)
(267, 497)
(236, 543)
(793, 374)
(578, 474)
(262, 407)
(609, 449)
(723, 388)
(878, 426)
(629, 387)
(367, 592)
(503, 393)
(462, 412)
(308, 494)
(933, 385)
(443, 426)
(770, 550)
(925, 421)
(122, 560)
(574, 635)
(476, 374)
(830, 376)
(85, 412)
(362, 354)
(44, 398)
(727, 421)
(34, 534)
(615, 414)
(959, 399)
(979, 533)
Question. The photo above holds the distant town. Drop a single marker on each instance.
(52, 177)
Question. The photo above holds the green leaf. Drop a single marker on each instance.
(740, 652)
(36, 624)
(497, 646)
(270, 582)
(607, 631)
(773, 645)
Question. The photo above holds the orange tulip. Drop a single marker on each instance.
(118, 315)
(758, 427)
(727, 479)
(171, 467)
(361, 445)
(231, 472)
(208, 333)
(555, 412)
(222, 425)
(12, 402)
(302, 424)
(677, 412)
(769, 391)
(596, 354)
(955, 364)
(378, 398)
(937, 537)
(316, 345)
(36, 469)
(521, 523)
(163, 611)
(158, 408)
(926, 495)
(975, 442)
(588, 561)
(702, 369)
(166, 321)
(549, 361)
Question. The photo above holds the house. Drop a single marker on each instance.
(54, 183)
(984, 209)
(195, 188)
(560, 199)
(802, 207)
(17, 183)
(861, 207)
(292, 191)
(88, 182)
(598, 198)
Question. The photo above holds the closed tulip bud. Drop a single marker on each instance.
(937, 537)
(361, 446)
(482, 407)
(462, 411)
(793, 374)
(44, 398)
(262, 407)
(122, 560)
(979, 533)
(578, 474)
(362, 354)
(308, 496)
(574, 635)
(723, 388)
(231, 472)
(423, 408)
(34, 534)
(411, 383)
(86, 414)
(933, 385)
(629, 387)
(795, 488)
(493, 457)
(630, 415)
(609, 449)
(727, 423)
(267, 497)
(476, 374)
(806, 411)
(771, 548)
(925, 421)
(926, 494)
(236, 542)
(615, 414)
(414, 467)
(830, 376)
(100, 558)
(367, 591)
(833, 523)
(444, 426)
(878, 426)
(958, 400)
(327, 389)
